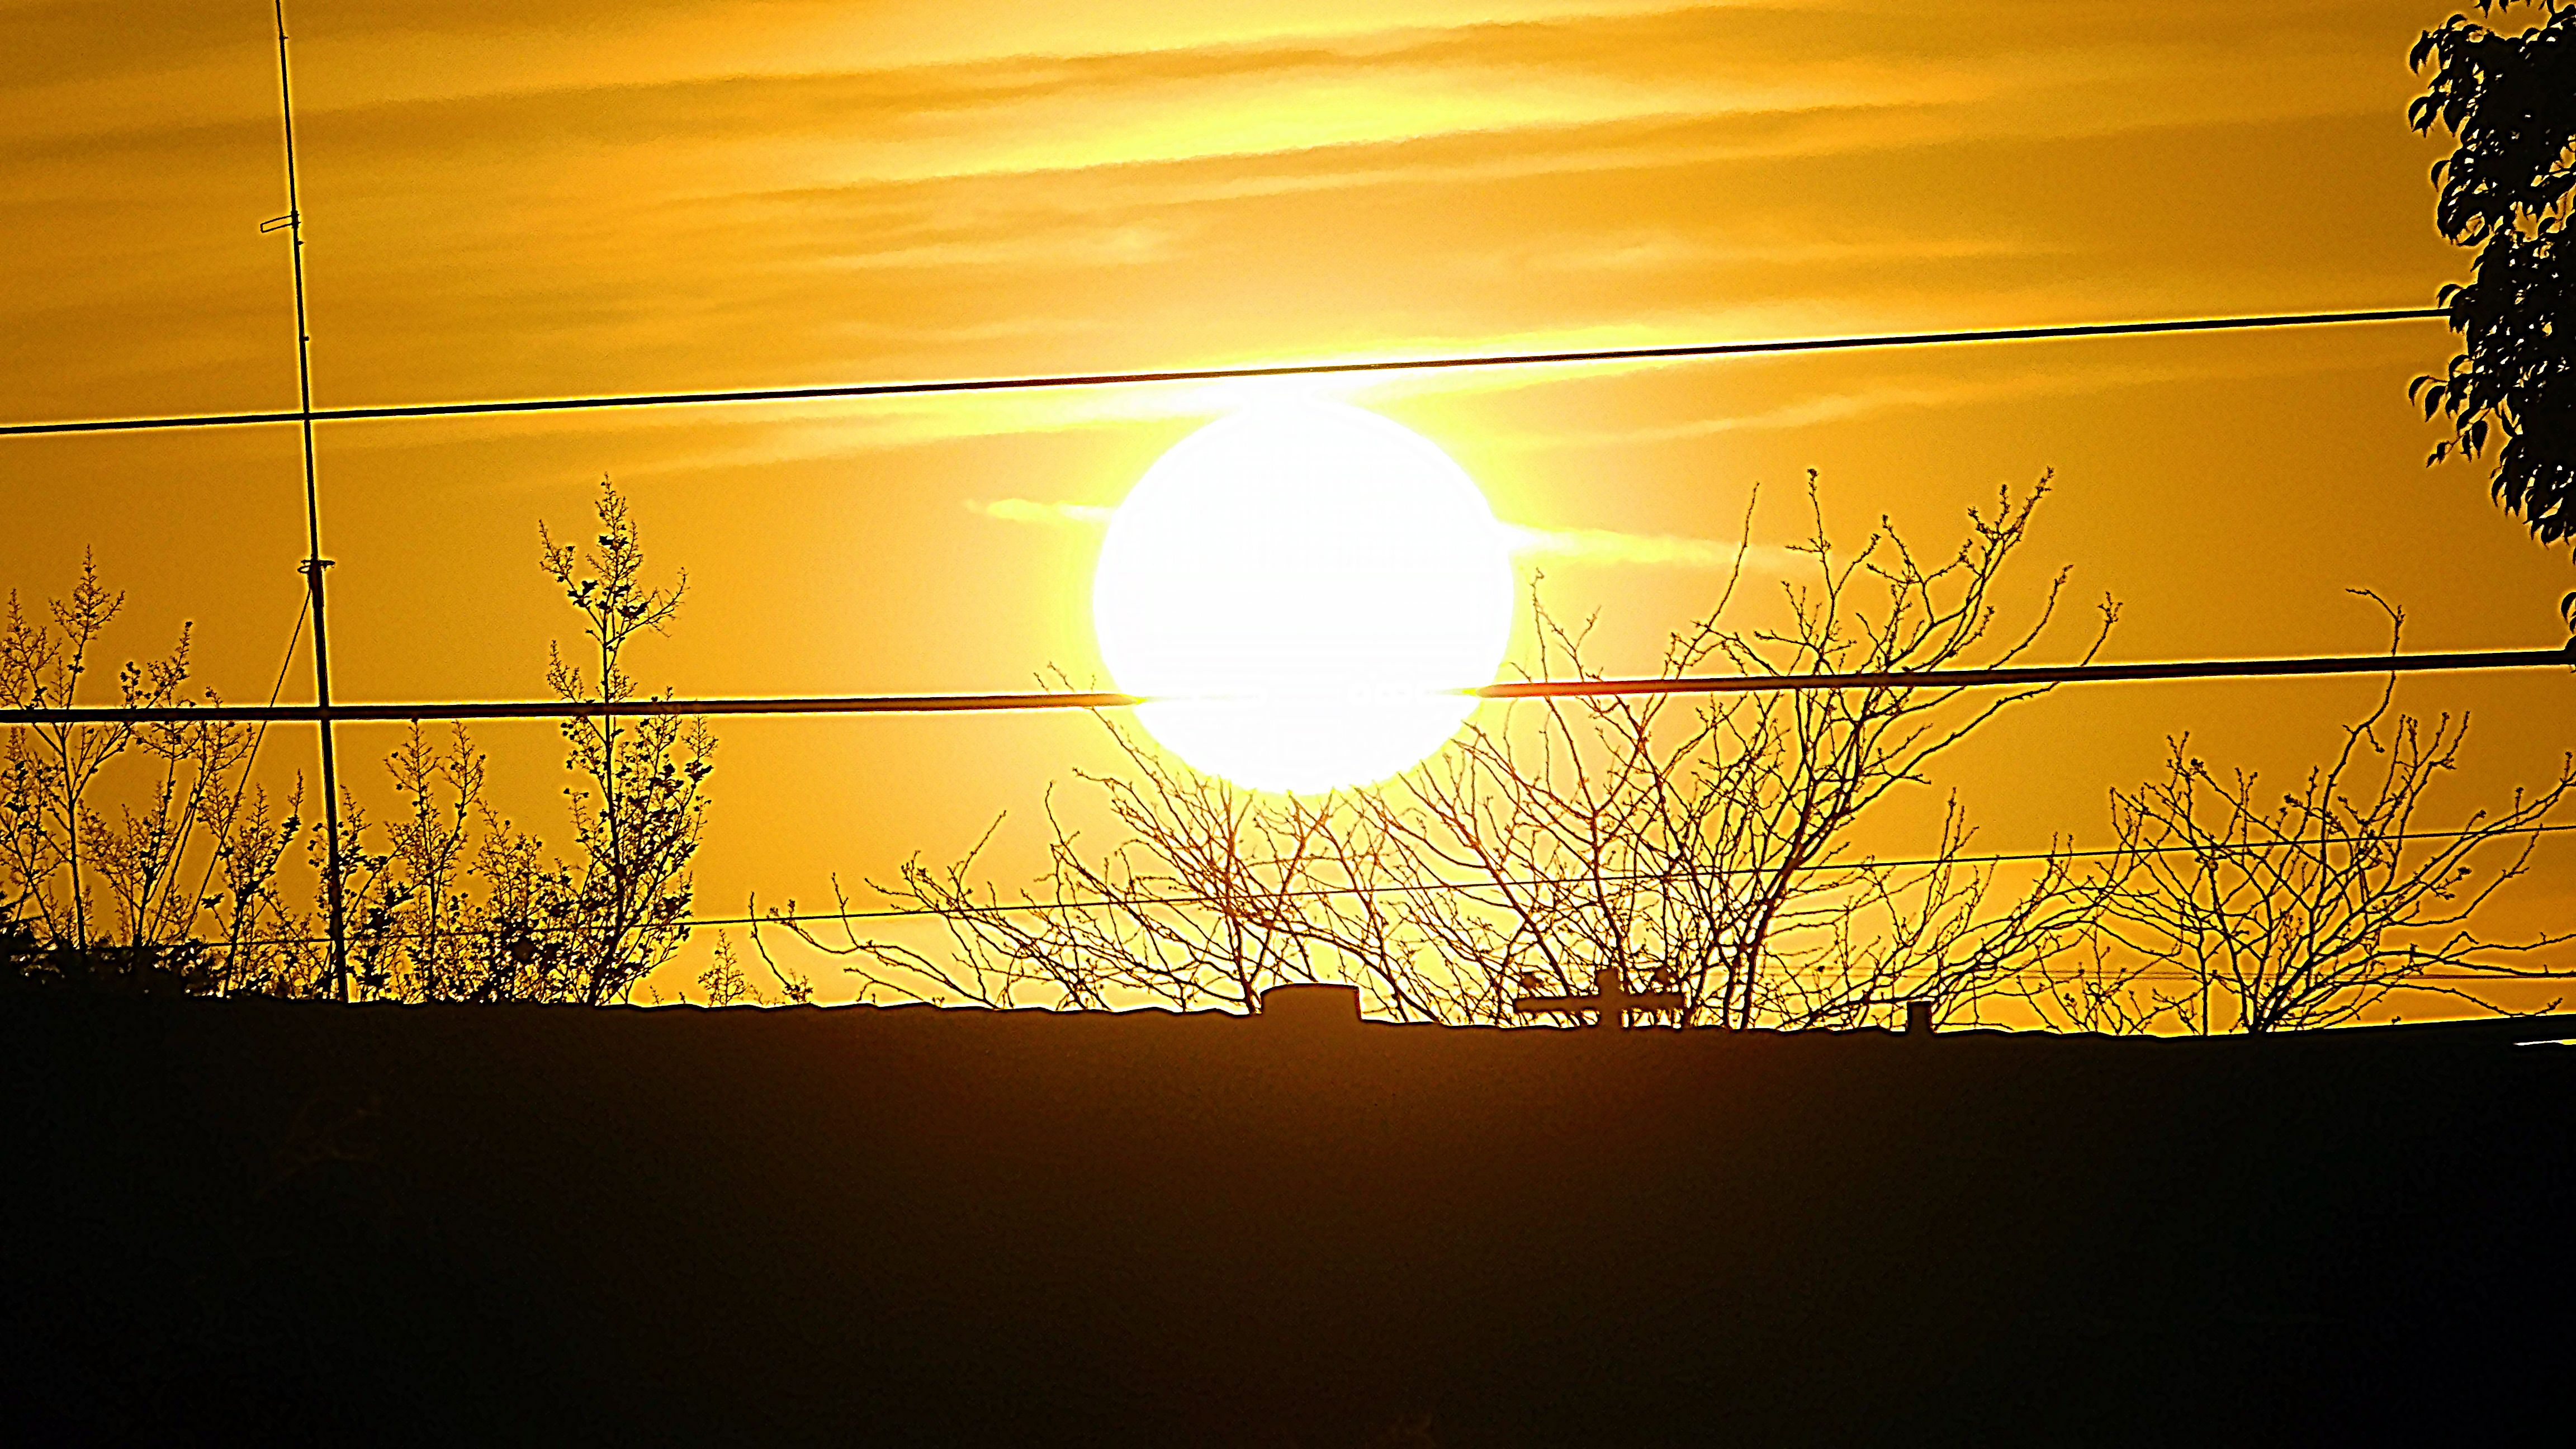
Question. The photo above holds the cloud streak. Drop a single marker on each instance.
(1022, 510)
(1612, 548)
(1601, 547)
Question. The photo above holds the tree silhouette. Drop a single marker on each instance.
(621, 909)
(182, 884)
(98, 897)
(1699, 845)
(2227, 910)
(475, 908)
(2510, 100)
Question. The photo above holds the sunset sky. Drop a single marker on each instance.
(576, 197)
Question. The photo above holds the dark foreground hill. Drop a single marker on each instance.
(245, 1220)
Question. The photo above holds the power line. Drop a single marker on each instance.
(1203, 898)
(2035, 674)
(1618, 877)
(1944, 679)
(1679, 353)
(258, 738)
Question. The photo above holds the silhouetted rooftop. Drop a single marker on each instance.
(935, 1225)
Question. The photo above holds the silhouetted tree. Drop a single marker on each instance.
(28, 962)
(101, 893)
(2510, 100)
(264, 938)
(2222, 911)
(187, 884)
(476, 908)
(727, 984)
(620, 909)
(1701, 845)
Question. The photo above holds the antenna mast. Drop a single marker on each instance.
(314, 562)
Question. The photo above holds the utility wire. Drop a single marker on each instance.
(1679, 353)
(258, 737)
(1202, 898)
(2009, 676)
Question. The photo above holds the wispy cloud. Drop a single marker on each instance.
(1022, 510)
(1590, 546)
(1916, 391)
(1611, 547)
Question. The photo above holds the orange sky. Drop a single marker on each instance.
(703, 195)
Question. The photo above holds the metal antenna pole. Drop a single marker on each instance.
(314, 562)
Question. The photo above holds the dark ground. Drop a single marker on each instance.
(244, 1220)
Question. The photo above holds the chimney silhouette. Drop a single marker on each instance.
(1317, 1006)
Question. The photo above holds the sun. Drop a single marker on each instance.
(1308, 578)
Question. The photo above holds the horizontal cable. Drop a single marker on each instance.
(2010, 676)
(1683, 352)
(1209, 898)
(2564, 655)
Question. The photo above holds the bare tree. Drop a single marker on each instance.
(1703, 845)
(460, 905)
(263, 939)
(472, 907)
(2227, 911)
(100, 891)
(431, 838)
(727, 984)
(621, 908)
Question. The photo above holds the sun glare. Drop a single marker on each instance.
(1306, 577)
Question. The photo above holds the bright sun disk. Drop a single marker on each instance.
(1305, 577)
